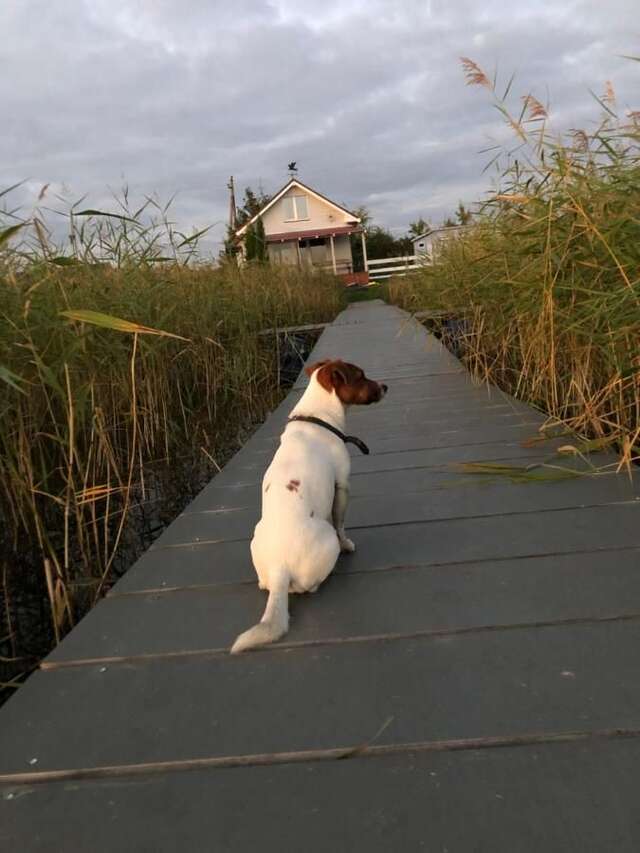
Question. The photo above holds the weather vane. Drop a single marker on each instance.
(292, 168)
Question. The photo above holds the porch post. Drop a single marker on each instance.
(333, 254)
(364, 252)
(298, 252)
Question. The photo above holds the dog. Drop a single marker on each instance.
(305, 492)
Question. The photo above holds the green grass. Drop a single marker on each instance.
(373, 291)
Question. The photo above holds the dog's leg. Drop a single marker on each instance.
(340, 500)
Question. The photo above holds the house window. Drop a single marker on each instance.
(295, 207)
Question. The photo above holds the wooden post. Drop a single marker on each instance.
(364, 253)
(298, 253)
(333, 254)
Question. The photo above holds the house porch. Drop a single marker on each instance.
(326, 249)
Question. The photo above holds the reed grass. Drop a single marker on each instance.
(116, 365)
(546, 281)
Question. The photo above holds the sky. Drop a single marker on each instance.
(368, 97)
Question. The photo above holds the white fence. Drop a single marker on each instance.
(394, 266)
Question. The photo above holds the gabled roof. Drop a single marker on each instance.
(294, 182)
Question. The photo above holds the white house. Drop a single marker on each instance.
(302, 226)
(426, 244)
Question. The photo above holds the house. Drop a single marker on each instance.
(303, 227)
(426, 244)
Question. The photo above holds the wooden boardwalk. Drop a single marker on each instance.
(495, 629)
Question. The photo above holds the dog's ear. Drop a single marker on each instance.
(310, 369)
(343, 373)
(339, 374)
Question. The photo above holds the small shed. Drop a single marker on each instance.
(425, 245)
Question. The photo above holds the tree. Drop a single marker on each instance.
(230, 248)
(380, 244)
(363, 215)
(418, 228)
(463, 215)
(256, 242)
(253, 203)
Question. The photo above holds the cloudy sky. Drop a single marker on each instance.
(367, 95)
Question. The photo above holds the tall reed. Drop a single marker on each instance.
(547, 278)
(117, 369)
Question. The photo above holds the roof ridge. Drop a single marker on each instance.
(292, 182)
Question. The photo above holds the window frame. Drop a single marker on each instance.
(294, 204)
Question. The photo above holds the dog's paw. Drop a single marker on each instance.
(346, 545)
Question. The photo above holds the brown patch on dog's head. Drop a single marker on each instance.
(348, 381)
(293, 485)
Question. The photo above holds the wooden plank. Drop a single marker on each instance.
(435, 315)
(501, 498)
(381, 548)
(541, 681)
(356, 606)
(393, 473)
(558, 798)
(294, 330)
(423, 421)
(430, 439)
(412, 470)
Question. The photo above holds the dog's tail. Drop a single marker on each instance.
(275, 620)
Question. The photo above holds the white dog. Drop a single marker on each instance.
(305, 490)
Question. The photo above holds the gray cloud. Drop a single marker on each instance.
(369, 98)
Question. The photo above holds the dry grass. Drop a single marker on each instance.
(547, 280)
(115, 365)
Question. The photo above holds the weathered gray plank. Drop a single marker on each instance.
(478, 426)
(400, 478)
(377, 509)
(412, 470)
(495, 683)
(554, 798)
(392, 413)
(438, 598)
(478, 452)
(426, 543)
(452, 448)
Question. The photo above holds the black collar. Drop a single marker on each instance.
(348, 439)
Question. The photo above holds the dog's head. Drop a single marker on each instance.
(348, 381)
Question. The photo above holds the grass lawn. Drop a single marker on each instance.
(363, 294)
